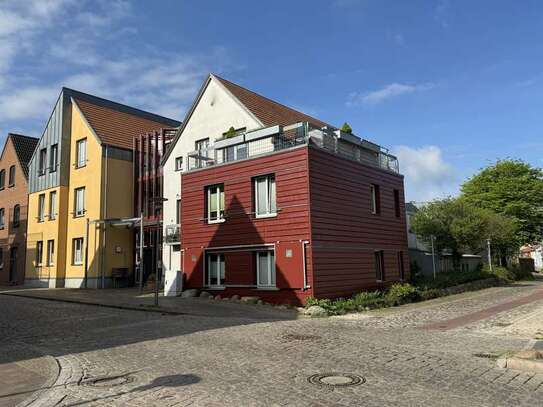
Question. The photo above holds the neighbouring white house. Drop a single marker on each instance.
(534, 252)
(420, 253)
(219, 106)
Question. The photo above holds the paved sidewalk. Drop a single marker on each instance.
(132, 299)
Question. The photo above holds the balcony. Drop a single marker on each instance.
(172, 234)
(277, 138)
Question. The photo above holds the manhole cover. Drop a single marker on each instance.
(301, 337)
(336, 379)
(111, 381)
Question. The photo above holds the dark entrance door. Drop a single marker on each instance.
(12, 264)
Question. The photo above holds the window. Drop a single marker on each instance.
(2, 220)
(39, 252)
(178, 163)
(50, 252)
(265, 196)
(379, 265)
(215, 270)
(201, 146)
(11, 181)
(375, 199)
(401, 267)
(397, 203)
(16, 216)
(265, 269)
(41, 162)
(1, 258)
(41, 207)
(215, 203)
(79, 202)
(77, 251)
(178, 212)
(52, 205)
(53, 158)
(81, 153)
(233, 153)
(2, 179)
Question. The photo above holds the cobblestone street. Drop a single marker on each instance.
(89, 355)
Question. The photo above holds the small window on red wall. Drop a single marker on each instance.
(397, 203)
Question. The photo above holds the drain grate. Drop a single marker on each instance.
(336, 379)
(301, 337)
(111, 381)
(486, 355)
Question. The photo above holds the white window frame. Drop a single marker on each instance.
(270, 212)
(271, 274)
(53, 158)
(81, 159)
(77, 252)
(219, 257)
(373, 192)
(42, 161)
(2, 218)
(52, 205)
(178, 163)
(39, 252)
(79, 211)
(220, 213)
(41, 207)
(51, 252)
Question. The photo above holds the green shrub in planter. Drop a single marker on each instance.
(400, 294)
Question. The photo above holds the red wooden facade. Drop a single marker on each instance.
(324, 235)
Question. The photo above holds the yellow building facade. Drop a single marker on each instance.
(80, 181)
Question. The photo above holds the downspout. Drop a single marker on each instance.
(104, 216)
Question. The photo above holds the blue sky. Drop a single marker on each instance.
(449, 86)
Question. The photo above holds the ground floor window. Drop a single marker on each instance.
(379, 265)
(215, 270)
(265, 269)
(50, 252)
(39, 252)
(77, 251)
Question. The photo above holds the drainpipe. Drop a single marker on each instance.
(104, 245)
(87, 252)
(304, 243)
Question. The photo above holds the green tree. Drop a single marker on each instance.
(346, 128)
(514, 189)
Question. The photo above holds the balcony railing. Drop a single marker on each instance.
(172, 234)
(276, 138)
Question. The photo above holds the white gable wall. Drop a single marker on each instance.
(214, 114)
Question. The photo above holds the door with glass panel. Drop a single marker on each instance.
(215, 270)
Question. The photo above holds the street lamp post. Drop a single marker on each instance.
(489, 254)
(432, 238)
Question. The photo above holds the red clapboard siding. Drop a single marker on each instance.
(287, 231)
(345, 233)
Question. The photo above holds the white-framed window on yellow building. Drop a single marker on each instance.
(41, 207)
(50, 252)
(77, 251)
(52, 205)
(81, 153)
(39, 252)
(79, 202)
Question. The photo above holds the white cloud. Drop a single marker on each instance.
(427, 174)
(389, 91)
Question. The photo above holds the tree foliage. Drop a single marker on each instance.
(346, 128)
(511, 188)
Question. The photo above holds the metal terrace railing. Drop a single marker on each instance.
(276, 138)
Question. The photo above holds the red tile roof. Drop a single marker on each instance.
(268, 111)
(118, 126)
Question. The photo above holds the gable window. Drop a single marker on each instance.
(2, 179)
(16, 215)
(41, 207)
(52, 205)
(375, 199)
(81, 153)
(265, 204)
(379, 265)
(77, 251)
(41, 161)
(2, 219)
(215, 203)
(215, 270)
(39, 252)
(397, 203)
(53, 158)
(401, 267)
(178, 163)
(11, 181)
(265, 269)
(50, 252)
(79, 202)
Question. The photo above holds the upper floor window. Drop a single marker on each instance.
(11, 181)
(53, 158)
(81, 153)
(215, 203)
(16, 216)
(397, 203)
(77, 251)
(79, 202)
(41, 161)
(2, 220)
(178, 163)
(201, 146)
(265, 204)
(41, 207)
(2, 179)
(375, 199)
(52, 205)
